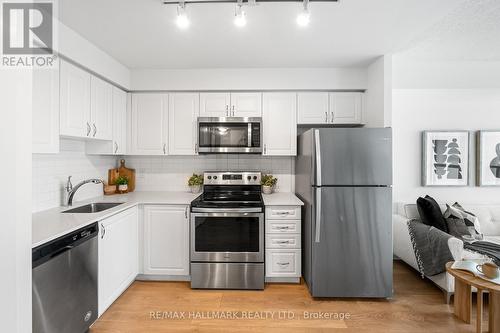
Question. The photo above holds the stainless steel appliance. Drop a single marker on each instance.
(344, 177)
(230, 135)
(227, 232)
(65, 283)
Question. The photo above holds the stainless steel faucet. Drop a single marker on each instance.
(70, 190)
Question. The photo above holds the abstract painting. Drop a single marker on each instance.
(445, 159)
(488, 162)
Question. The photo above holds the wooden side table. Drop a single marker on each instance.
(464, 281)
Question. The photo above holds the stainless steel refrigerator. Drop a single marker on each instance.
(344, 177)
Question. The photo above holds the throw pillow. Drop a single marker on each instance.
(430, 213)
(470, 219)
(456, 223)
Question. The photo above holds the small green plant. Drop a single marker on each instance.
(195, 180)
(268, 180)
(122, 180)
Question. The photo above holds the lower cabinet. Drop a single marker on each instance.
(166, 240)
(118, 256)
(283, 244)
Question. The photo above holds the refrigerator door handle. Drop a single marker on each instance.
(318, 215)
(318, 157)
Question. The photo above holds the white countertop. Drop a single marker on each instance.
(281, 199)
(51, 224)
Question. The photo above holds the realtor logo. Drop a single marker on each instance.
(27, 34)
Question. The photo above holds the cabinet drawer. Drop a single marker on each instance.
(283, 241)
(283, 263)
(277, 226)
(283, 212)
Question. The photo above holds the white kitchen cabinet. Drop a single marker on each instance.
(74, 101)
(101, 109)
(148, 123)
(346, 107)
(45, 119)
(118, 256)
(183, 112)
(313, 108)
(283, 263)
(215, 104)
(279, 117)
(246, 104)
(166, 240)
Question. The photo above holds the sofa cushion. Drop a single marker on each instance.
(430, 213)
(456, 223)
(469, 218)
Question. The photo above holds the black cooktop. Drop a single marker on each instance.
(229, 196)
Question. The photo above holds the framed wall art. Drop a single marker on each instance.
(488, 160)
(446, 158)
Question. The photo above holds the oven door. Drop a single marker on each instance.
(227, 237)
(229, 135)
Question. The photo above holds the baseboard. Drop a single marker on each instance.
(282, 279)
(159, 277)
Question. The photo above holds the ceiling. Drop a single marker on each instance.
(142, 33)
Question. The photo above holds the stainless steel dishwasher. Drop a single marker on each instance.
(65, 283)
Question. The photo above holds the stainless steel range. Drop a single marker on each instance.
(227, 232)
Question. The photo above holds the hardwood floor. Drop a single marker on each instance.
(417, 306)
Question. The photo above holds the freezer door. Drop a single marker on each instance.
(352, 243)
(353, 156)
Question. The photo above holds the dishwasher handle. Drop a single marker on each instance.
(58, 246)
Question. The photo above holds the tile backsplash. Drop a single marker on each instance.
(153, 173)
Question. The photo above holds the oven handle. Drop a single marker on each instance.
(226, 210)
(225, 214)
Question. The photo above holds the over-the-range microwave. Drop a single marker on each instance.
(230, 135)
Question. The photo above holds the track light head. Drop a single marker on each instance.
(304, 16)
(240, 19)
(182, 19)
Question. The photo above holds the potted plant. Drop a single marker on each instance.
(195, 182)
(268, 182)
(122, 183)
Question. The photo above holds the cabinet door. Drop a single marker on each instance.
(346, 108)
(279, 117)
(149, 124)
(166, 240)
(183, 112)
(74, 101)
(246, 105)
(119, 121)
(45, 120)
(118, 256)
(214, 104)
(313, 108)
(101, 109)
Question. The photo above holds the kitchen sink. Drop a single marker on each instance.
(93, 207)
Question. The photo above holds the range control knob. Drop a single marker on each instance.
(215, 177)
(249, 177)
(209, 177)
(254, 177)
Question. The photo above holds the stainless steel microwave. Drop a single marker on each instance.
(230, 135)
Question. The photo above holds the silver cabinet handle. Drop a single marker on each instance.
(95, 130)
(283, 213)
(88, 129)
(196, 148)
(103, 231)
(233, 110)
(186, 212)
(227, 110)
(332, 116)
(265, 149)
(283, 228)
(326, 116)
(164, 149)
(283, 242)
(116, 147)
(283, 263)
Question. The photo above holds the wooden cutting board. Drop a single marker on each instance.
(122, 171)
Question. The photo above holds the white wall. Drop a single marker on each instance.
(249, 78)
(415, 110)
(378, 97)
(15, 200)
(50, 173)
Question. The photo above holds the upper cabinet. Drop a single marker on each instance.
(313, 108)
(279, 124)
(119, 121)
(148, 123)
(74, 101)
(334, 108)
(184, 109)
(346, 107)
(45, 120)
(215, 104)
(231, 104)
(101, 109)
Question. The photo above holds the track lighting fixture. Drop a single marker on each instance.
(304, 16)
(182, 19)
(240, 19)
